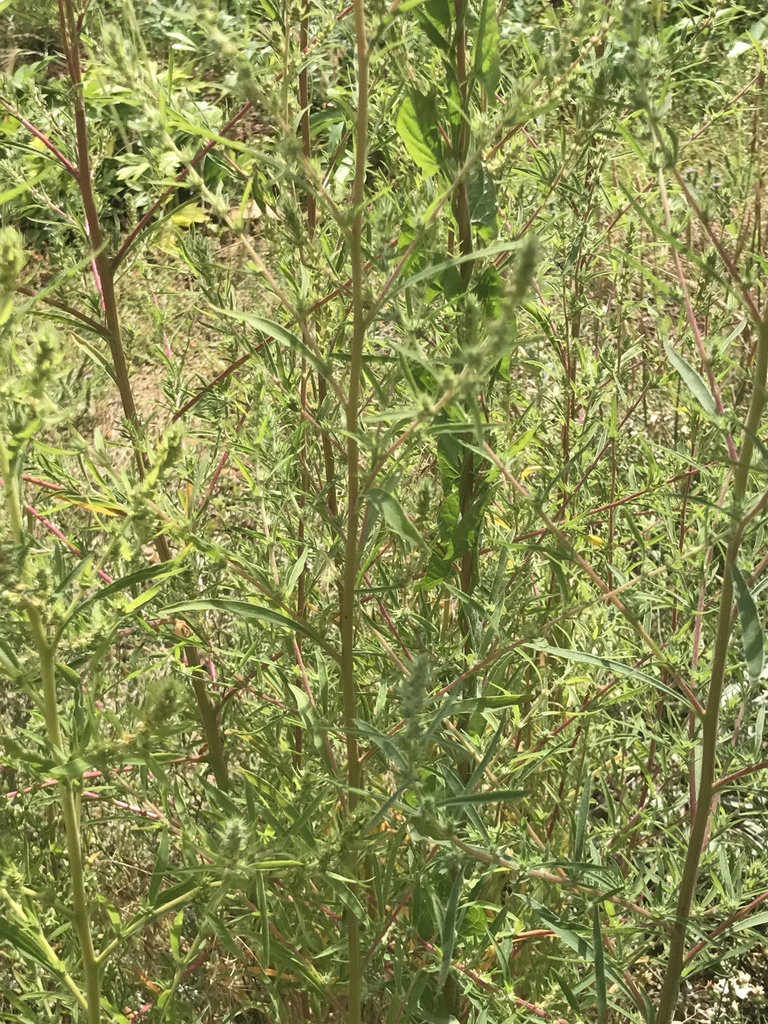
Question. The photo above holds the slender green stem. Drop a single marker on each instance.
(711, 718)
(50, 952)
(349, 584)
(195, 946)
(71, 813)
(12, 496)
(69, 803)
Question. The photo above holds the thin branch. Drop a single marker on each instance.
(67, 164)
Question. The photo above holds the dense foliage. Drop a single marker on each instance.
(382, 534)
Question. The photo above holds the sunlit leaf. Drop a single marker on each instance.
(692, 380)
(487, 47)
(417, 126)
(394, 516)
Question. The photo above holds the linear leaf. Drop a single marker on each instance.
(581, 821)
(148, 572)
(568, 993)
(343, 890)
(487, 48)
(692, 380)
(261, 902)
(493, 702)
(617, 667)
(273, 330)
(600, 986)
(161, 865)
(577, 943)
(394, 516)
(449, 929)
(249, 612)
(490, 797)
(222, 933)
(437, 268)
(751, 630)
(23, 186)
(27, 945)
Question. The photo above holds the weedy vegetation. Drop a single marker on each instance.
(383, 511)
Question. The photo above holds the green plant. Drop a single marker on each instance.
(422, 545)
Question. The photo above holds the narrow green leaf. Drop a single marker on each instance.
(490, 797)
(174, 936)
(493, 702)
(609, 664)
(24, 943)
(456, 261)
(581, 821)
(479, 773)
(487, 48)
(449, 929)
(261, 903)
(249, 612)
(148, 572)
(297, 570)
(23, 186)
(142, 599)
(751, 630)
(163, 903)
(571, 938)
(600, 986)
(8, 659)
(384, 809)
(74, 769)
(568, 993)
(222, 933)
(577, 943)
(692, 380)
(314, 727)
(273, 330)
(161, 865)
(25, 1012)
(386, 745)
(394, 516)
(343, 890)
(650, 1009)
(754, 921)
(759, 731)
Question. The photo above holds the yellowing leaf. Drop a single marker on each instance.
(189, 213)
(528, 471)
(92, 506)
